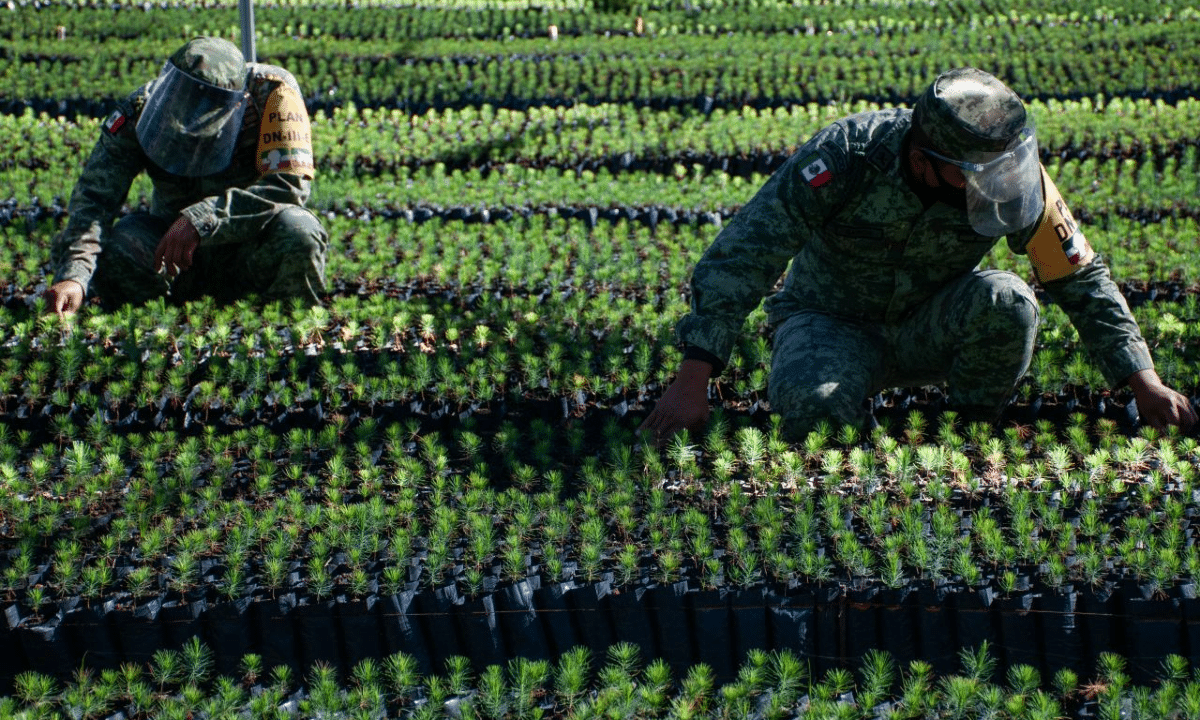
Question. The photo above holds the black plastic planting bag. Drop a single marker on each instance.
(276, 638)
(1154, 628)
(436, 610)
(674, 636)
(936, 624)
(898, 622)
(1096, 607)
(1019, 634)
(974, 617)
(862, 622)
(182, 620)
(791, 621)
(12, 659)
(137, 631)
(402, 631)
(828, 649)
(1190, 604)
(554, 611)
(90, 635)
(522, 631)
(227, 631)
(592, 623)
(361, 634)
(714, 630)
(316, 633)
(46, 647)
(748, 612)
(1055, 608)
(479, 628)
(631, 618)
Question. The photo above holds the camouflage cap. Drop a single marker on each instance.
(214, 60)
(968, 110)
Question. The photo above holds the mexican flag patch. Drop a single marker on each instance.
(1075, 248)
(285, 159)
(114, 122)
(815, 171)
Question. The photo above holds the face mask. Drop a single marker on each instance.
(190, 127)
(1004, 190)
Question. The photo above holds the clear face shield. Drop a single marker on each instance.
(1004, 190)
(190, 127)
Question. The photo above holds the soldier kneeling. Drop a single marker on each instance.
(228, 148)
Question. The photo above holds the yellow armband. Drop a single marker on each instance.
(285, 137)
(1058, 248)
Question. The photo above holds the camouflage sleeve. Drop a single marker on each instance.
(282, 150)
(240, 214)
(1099, 312)
(749, 255)
(98, 196)
(1076, 278)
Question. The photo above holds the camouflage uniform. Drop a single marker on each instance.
(255, 234)
(883, 290)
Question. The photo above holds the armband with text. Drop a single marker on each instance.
(1058, 247)
(285, 136)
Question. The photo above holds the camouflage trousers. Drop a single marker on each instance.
(976, 335)
(286, 261)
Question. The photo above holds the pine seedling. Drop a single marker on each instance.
(224, 701)
(1189, 700)
(669, 566)
(695, 693)
(788, 673)
(325, 697)
(95, 580)
(493, 693)
(571, 675)
(1111, 673)
(140, 580)
(82, 698)
(878, 674)
(403, 676)
(166, 668)
(196, 662)
(361, 584)
(68, 555)
(458, 675)
(978, 664)
(393, 580)
(1174, 669)
(527, 679)
(34, 688)
(591, 557)
(514, 558)
(251, 666)
(628, 565)
(186, 571)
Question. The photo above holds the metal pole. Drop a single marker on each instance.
(246, 12)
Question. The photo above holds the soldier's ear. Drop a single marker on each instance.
(921, 167)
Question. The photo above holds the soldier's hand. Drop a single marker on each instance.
(684, 405)
(175, 249)
(65, 297)
(1159, 405)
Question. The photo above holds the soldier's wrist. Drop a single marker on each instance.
(715, 365)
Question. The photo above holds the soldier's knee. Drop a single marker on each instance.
(132, 242)
(1008, 303)
(1007, 288)
(803, 408)
(299, 231)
